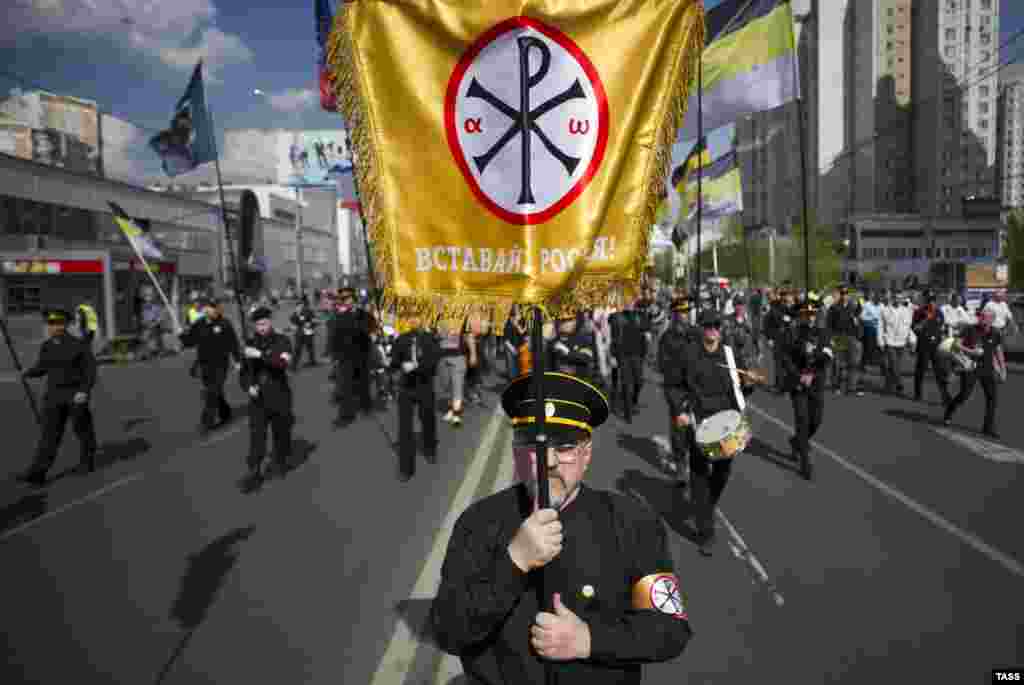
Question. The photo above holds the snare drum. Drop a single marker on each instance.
(724, 435)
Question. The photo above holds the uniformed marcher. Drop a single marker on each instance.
(929, 328)
(265, 378)
(738, 333)
(216, 345)
(776, 324)
(806, 355)
(984, 344)
(572, 350)
(416, 353)
(617, 602)
(709, 389)
(844, 324)
(70, 370)
(629, 349)
(350, 339)
(673, 356)
(305, 321)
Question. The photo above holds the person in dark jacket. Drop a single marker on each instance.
(305, 322)
(70, 370)
(514, 338)
(350, 339)
(628, 350)
(216, 345)
(738, 333)
(673, 357)
(265, 376)
(572, 350)
(984, 344)
(710, 389)
(416, 353)
(613, 601)
(776, 324)
(844, 324)
(806, 354)
(929, 327)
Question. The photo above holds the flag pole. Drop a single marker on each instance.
(17, 366)
(803, 176)
(227, 231)
(160, 291)
(700, 173)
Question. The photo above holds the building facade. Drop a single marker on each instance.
(1010, 160)
(59, 246)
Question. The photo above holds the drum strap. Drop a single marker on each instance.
(741, 401)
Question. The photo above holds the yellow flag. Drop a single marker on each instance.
(512, 152)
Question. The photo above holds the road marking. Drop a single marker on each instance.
(74, 503)
(450, 667)
(398, 656)
(992, 451)
(742, 551)
(970, 539)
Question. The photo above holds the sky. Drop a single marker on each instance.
(134, 58)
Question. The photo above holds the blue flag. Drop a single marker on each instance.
(189, 140)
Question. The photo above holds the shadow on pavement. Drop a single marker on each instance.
(760, 448)
(643, 447)
(415, 613)
(203, 579)
(24, 509)
(301, 451)
(459, 680)
(663, 497)
(914, 416)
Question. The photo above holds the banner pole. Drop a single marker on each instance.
(17, 365)
(159, 290)
(700, 173)
(371, 271)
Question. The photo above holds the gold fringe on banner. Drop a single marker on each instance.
(587, 291)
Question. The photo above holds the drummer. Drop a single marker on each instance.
(709, 389)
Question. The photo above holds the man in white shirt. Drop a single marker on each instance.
(893, 334)
(956, 315)
(1001, 314)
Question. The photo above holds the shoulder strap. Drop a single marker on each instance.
(730, 359)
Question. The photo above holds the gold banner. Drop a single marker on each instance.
(512, 153)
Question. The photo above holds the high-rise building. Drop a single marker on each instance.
(955, 46)
(1010, 160)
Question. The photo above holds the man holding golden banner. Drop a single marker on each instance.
(518, 155)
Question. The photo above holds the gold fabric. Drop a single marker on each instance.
(391, 62)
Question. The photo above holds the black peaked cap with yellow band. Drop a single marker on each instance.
(57, 316)
(573, 407)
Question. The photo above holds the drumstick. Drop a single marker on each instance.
(753, 374)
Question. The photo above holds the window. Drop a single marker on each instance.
(950, 51)
(24, 299)
(9, 215)
(891, 11)
(986, 55)
(983, 91)
(986, 39)
(950, 34)
(888, 45)
(890, 29)
(36, 218)
(983, 124)
(986, 5)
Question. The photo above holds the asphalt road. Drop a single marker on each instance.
(902, 559)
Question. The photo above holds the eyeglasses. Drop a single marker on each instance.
(565, 453)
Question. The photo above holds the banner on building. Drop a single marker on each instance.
(749, 64)
(521, 155)
(16, 140)
(312, 158)
(56, 130)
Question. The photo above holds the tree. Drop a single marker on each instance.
(825, 256)
(1015, 249)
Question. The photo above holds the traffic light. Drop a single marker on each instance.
(249, 209)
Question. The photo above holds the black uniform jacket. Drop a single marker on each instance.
(804, 349)
(673, 357)
(486, 605)
(69, 367)
(350, 337)
(975, 337)
(579, 360)
(270, 371)
(929, 332)
(844, 319)
(428, 353)
(740, 336)
(777, 321)
(628, 330)
(215, 341)
(709, 384)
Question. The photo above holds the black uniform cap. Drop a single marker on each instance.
(57, 316)
(573, 407)
(681, 304)
(807, 307)
(346, 292)
(261, 313)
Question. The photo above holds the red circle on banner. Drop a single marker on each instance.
(455, 82)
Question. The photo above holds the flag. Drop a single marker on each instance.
(700, 156)
(516, 158)
(721, 189)
(189, 140)
(137, 232)
(324, 18)
(749, 64)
